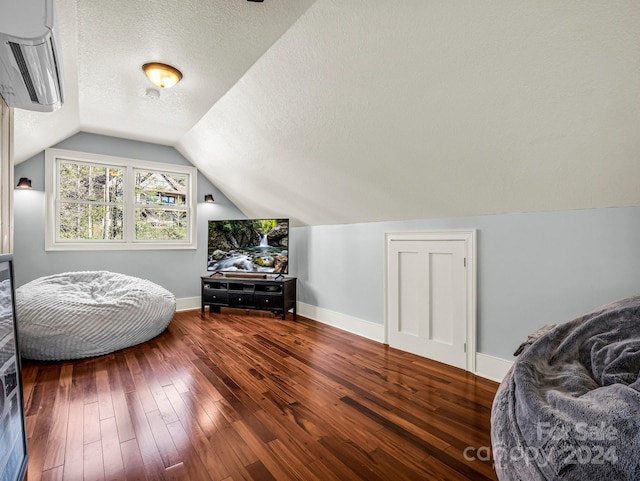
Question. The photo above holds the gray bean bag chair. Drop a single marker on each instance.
(82, 314)
(569, 408)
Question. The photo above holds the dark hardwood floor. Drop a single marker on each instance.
(241, 395)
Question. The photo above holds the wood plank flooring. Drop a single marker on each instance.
(246, 396)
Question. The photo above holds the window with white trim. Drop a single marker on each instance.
(97, 202)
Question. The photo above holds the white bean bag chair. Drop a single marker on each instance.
(74, 315)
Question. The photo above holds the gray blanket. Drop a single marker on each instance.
(569, 408)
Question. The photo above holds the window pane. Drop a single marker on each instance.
(90, 222)
(91, 182)
(103, 203)
(161, 224)
(157, 188)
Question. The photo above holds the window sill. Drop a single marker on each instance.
(119, 246)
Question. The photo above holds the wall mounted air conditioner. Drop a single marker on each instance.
(30, 63)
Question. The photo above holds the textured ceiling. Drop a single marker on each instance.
(339, 111)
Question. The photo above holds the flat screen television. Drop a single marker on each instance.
(248, 245)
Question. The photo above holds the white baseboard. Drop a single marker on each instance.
(491, 367)
(351, 324)
(187, 303)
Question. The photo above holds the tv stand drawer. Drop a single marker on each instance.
(268, 301)
(241, 299)
(215, 296)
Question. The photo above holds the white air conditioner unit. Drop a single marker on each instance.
(30, 63)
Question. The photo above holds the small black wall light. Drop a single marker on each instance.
(208, 198)
(24, 183)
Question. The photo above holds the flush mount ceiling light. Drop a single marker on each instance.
(163, 75)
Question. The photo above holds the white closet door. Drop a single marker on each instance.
(427, 296)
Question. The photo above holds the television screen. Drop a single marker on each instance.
(248, 245)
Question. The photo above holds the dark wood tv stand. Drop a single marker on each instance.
(276, 294)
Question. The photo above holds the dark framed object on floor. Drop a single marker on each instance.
(13, 438)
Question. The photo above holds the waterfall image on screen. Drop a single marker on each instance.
(248, 245)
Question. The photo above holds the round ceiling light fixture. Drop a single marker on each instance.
(161, 74)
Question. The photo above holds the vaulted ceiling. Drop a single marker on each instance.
(342, 111)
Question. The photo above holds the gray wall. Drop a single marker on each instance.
(533, 269)
(176, 270)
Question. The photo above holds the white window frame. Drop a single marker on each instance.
(53, 243)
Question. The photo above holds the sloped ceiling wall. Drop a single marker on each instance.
(388, 110)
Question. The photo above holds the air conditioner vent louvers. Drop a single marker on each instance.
(58, 67)
(22, 65)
